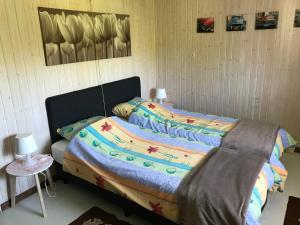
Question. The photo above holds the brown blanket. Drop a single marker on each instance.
(218, 191)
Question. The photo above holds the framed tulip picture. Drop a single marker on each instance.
(76, 36)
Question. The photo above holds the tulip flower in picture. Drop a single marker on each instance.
(51, 38)
(68, 52)
(100, 42)
(123, 33)
(72, 30)
(121, 48)
(86, 49)
(109, 33)
(52, 54)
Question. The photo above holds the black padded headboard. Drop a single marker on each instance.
(70, 107)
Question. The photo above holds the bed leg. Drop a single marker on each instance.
(65, 179)
(127, 213)
(60, 174)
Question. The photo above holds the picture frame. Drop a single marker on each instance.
(206, 25)
(266, 20)
(236, 23)
(297, 18)
(71, 36)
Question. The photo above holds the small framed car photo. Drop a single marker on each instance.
(266, 20)
(236, 23)
(297, 18)
(205, 25)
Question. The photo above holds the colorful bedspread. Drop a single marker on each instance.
(147, 167)
(209, 129)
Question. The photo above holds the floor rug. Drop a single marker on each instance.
(292, 215)
(97, 216)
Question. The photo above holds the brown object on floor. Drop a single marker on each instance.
(292, 215)
(96, 216)
(297, 150)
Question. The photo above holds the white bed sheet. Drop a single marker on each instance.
(58, 149)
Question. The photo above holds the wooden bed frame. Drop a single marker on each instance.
(67, 108)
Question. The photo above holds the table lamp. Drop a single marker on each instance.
(25, 145)
(161, 94)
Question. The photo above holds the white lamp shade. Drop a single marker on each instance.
(161, 93)
(25, 144)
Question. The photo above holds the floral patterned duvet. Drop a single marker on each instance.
(147, 166)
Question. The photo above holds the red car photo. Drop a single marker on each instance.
(205, 25)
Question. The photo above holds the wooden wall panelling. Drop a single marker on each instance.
(25, 81)
(250, 74)
(15, 67)
(293, 68)
(3, 131)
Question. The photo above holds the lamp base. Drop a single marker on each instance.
(160, 100)
(28, 161)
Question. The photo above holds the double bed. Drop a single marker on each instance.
(67, 108)
(153, 168)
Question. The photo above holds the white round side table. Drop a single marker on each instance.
(16, 169)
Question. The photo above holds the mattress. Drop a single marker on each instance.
(58, 149)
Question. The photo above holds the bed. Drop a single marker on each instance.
(74, 106)
(65, 109)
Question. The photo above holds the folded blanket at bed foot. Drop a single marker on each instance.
(218, 191)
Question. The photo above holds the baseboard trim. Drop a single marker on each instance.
(25, 194)
(19, 197)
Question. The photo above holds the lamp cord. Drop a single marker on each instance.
(53, 194)
(97, 62)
